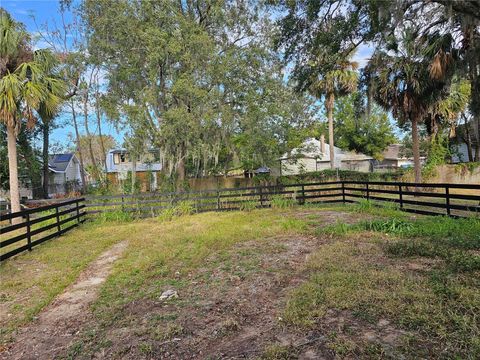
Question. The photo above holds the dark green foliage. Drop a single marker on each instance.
(331, 175)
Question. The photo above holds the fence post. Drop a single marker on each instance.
(29, 236)
(261, 196)
(123, 205)
(78, 212)
(447, 199)
(58, 218)
(368, 191)
(400, 193)
(218, 199)
(343, 191)
(303, 195)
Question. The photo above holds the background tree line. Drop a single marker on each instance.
(223, 85)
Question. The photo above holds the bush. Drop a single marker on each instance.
(331, 175)
(184, 208)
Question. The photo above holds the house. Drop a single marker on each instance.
(147, 166)
(64, 174)
(314, 155)
(394, 157)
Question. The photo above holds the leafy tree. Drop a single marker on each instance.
(316, 34)
(198, 77)
(100, 146)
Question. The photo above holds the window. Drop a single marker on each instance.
(120, 158)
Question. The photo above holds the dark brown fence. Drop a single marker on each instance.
(456, 200)
(38, 225)
(429, 199)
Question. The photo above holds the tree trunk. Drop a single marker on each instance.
(34, 172)
(416, 151)
(79, 149)
(99, 124)
(46, 135)
(180, 173)
(134, 173)
(13, 172)
(329, 106)
(89, 138)
(476, 131)
(468, 142)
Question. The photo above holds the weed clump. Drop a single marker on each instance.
(280, 202)
(183, 208)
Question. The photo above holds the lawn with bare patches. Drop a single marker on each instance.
(301, 282)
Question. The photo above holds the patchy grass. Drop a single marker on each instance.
(32, 279)
(283, 283)
(421, 274)
(181, 246)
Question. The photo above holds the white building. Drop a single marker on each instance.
(314, 155)
(119, 163)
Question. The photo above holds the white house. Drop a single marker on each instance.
(119, 163)
(314, 155)
(64, 174)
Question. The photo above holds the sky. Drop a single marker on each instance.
(47, 11)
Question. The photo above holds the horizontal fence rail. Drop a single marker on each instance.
(21, 231)
(431, 199)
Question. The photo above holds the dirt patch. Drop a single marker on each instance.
(56, 326)
(225, 312)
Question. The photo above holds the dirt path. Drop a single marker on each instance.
(56, 326)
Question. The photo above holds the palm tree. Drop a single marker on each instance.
(23, 87)
(46, 110)
(340, 81)
(406, 81)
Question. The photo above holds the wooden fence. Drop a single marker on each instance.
(429, 199)
(38, 225)
(456, 200)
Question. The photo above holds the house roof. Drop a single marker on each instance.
(59, 162)
(394, 152)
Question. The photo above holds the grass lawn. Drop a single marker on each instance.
(302, 282)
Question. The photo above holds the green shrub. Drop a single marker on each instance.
(364, 205)
(281, 202)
